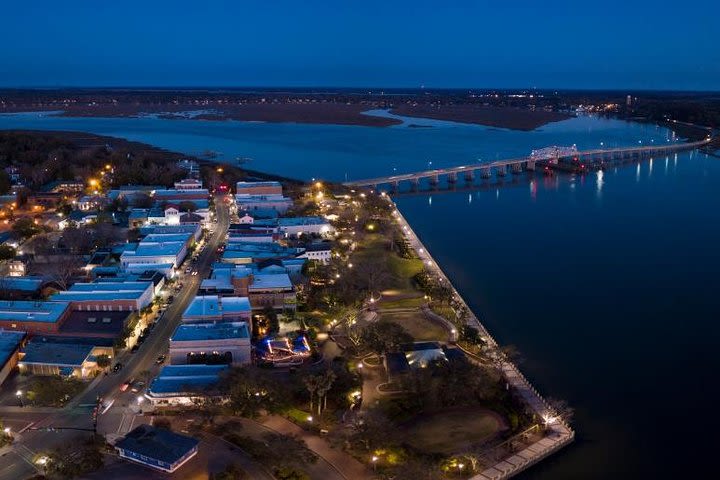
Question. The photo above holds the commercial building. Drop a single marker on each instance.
(10, 344)
(320, 252)
(184, 384)
(211, 344)
(67, 358)
(20, 286)
(259, 188)
(279, 203)
(154, 253)
(108, 296)
(33, 316)
(212, 308)
(157, 448)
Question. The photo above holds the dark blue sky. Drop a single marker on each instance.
(523, 43)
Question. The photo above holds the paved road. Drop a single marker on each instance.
(17, 463)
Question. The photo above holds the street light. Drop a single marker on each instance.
(19, 394)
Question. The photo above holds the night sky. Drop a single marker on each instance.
(636, 44)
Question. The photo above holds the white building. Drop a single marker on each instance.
(226, 343)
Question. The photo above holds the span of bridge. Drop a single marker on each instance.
(517, 165)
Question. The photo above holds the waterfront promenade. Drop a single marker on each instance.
(558, 434)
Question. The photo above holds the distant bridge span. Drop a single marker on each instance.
(517, 165)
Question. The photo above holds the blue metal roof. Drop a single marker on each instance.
(157, 443)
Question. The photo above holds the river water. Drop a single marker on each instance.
(607, 283)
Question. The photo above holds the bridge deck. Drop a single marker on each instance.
(622, 152)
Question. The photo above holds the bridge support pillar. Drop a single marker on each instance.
(530, 165)
(502, 171)
(452, 177)
(469, 176)
(434, 180)
(517, 168)
(485, 173)
(414, 184)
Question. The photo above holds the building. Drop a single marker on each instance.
(153, 253)
(212, 308)
(195, 230)
(210, 344)
(48, 356)
(20, 286)
(10, 344)
(297, 226)
(259, 188)
(157, 448)
(279, 203)
(107, 296)
(188, 184)
(418, 355)
(273, 290)
(33, 316)
(320, 252)
(184, 384)
(94, 324)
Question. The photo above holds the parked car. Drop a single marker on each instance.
(160, 359)
(126, 385)
(117, 367)
(135, 348)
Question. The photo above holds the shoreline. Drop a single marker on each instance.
(308, 114)
(559, 434)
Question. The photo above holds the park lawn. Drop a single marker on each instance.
(451, 431)
(403, 269)
(419, 327)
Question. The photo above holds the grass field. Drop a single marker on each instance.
(451, 431)
(403, 269)
(417, 325)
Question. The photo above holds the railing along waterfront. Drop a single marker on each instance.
(558, 433)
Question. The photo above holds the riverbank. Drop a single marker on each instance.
(328, 113)
(558, 434)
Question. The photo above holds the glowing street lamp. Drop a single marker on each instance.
(19, 395)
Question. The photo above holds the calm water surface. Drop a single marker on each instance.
(607, 283)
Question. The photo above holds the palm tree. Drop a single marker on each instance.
(311, 384)
(326, 382)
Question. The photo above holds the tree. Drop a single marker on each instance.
(187, 206)
(326, 382)
(231, 472)
(383, 336)
(7, 252)
(103, 361)
(312, 383)
(250, 391)
(25, 227)
(63, 269)
(372, 429)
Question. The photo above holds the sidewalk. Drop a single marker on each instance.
(347, 467)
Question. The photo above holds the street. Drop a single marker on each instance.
(16, 462)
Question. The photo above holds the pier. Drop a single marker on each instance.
(587, 159)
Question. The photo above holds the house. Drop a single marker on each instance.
(320, 252)
(48, 356)
(245, 218)
(157, 448)
(10, 344)
(210, 344)
(33, 316)
(211, 308)
(107, 296)
(92, 202)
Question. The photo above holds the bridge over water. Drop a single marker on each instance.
(590, 158)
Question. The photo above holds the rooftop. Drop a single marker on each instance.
(9, 342)
(157, 443)
(153, 249)
(210, 331)
(38, 351)
(212, 305)
(30, 311)
(22, 284)
(94, 323)
(263, 281)
(183, 379)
